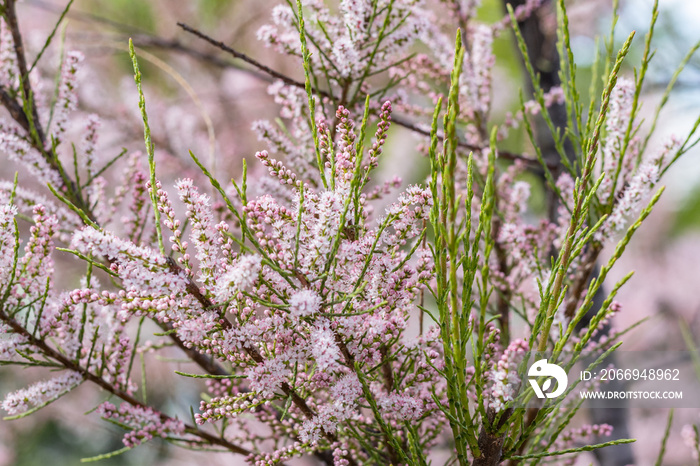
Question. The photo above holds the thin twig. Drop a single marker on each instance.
(11, 16)
(251, 61)
(16, 111)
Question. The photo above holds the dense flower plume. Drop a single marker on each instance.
(334, 316)
(144, 422)
(40, 393)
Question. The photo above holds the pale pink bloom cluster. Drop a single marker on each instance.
(203, 234)
(277, 169)
(10, 342)
(356, 14)
(19, 149)
(69, 319)
(505, 379)
(137, 266)
(34, 271)
(342, 42)
(323, 285)
(8, 59)
(419, 76)
(37, 264)
(89, 142)
(7, 242)
(478, 75)
(691, 440)
(317, 293)
(616, 125)
(67, 100)
(406, 215)
(402, 407)
(128, 186)
(638, 189)
(26, 200)
(279, 142)
(226, 406)
(150, 288)
(237, 277)
(61, 321)
(145, 423)
(341, 407)
(324, 347)
(292, 101)
(526, 246)
(297, 147)
(35, 395)
(380, 135)
(136, 218)
(304, 303)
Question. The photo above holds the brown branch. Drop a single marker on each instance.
(490, 441)
(147, 40)
(99, 381)
(387, 372)
(13, 24)
(16, 111)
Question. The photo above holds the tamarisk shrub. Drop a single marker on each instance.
(357, 324)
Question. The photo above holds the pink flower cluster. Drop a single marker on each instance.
(40, 393)
(145, 423)
(505, 379)
(343, 398)
(7, 242)
(616, 125)
(67, 95)
(343, 42)
(637, 190)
